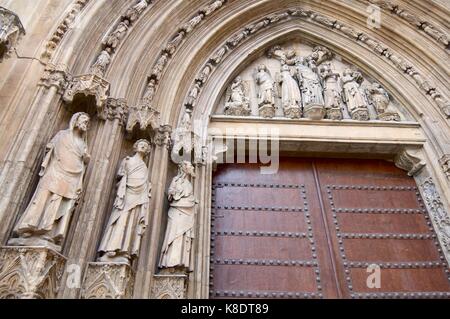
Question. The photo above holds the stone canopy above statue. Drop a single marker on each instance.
(298, 80)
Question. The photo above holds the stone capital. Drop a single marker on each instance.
(114, 109)
(55, 76)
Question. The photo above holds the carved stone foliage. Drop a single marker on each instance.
(438, 213)
(30, 273)
(169, 286)
(445, 164)
(88, 85)
(11, 30)
(313, 85)
(55, 76)
(115, 109)
(108, 281)
(62, 28)
(410, 160)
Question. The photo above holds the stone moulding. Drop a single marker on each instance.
(169, 286)
(108, 281)
(30, 272)
(11, 31)
(88, 85)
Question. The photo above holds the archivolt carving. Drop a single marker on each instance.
(62, 28)
(360, 37)
(445, 164)
(30, 273)
(415, 21)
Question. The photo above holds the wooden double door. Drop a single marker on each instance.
(322, 228)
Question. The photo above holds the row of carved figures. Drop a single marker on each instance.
(309, 87)
(46, 220)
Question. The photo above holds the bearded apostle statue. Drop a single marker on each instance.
(177, 244)
(46, 220)
(129, 218)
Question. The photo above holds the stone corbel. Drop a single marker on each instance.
(169, 286)
(143, 117)
(11, 31)
(88, 85)
(108, 281)
(410, 160)
(30, 272)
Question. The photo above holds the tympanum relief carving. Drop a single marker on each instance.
(296, 80)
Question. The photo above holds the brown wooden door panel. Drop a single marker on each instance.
(312, 229)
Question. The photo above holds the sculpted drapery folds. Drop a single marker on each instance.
(177, 244)
(311, 87)
(237, 103)
(290, 94)
(47, 217)
(354, 96)
(266, 94)
(332, 91)
(129, 218)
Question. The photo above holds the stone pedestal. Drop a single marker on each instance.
(168, 285)
(30, 272)
(108, 281)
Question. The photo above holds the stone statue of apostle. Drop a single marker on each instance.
(129, 218)
(46, 220)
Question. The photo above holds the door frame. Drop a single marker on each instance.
(402, 143)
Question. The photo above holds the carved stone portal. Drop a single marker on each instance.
(88, 85)
(108, 281)
(169, 286)
(11, 30)
(30, 272)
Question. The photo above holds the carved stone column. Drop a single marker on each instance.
(105, 150)
(147, 265)
(30, 273)
(108, 281)
(11, 30)
(19, 165)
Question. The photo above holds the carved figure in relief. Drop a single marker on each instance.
(258, 26)
(47, 217)
(213, 7)
(332, 92)
(237, 102)
(134, 12)
(99, 67)
(354, 96)
(193, 94)
(117, 35)
(176, 249)
(193, 22)
(237, 38)
(266, 92)
(150, 91)
(284, 56)
(129, 218)
(175, 42)
(311, 87)
(290, 94)
(159, 66)
(218, 56)
(380, 100)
